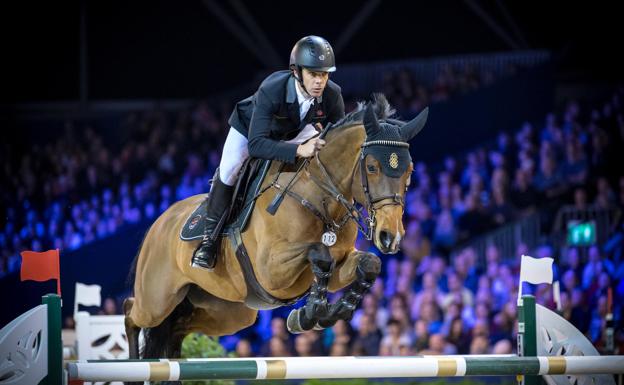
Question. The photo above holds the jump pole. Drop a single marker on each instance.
(341, 367)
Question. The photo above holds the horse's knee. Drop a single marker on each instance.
(369, 266)
(319, 256)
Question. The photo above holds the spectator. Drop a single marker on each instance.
(575, 168)
(457, 292)
(445, 233)
(473, 221)
(394, 340)
(549, 181)
(479, 345)
(502, 347)
(278, 332)
(370, 307)
(338, 349)
(501, 210)
(415, 245)
(458, 336)
(368, 338)
(593, 268)
(109, 307)
(243, 348)
(303, 346)
(438, 346)
(420, 336)
(277, 347)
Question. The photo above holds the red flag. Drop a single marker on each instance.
(41, 267)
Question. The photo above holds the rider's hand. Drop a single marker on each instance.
(309, 148)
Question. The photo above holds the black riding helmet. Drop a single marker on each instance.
(313, 53)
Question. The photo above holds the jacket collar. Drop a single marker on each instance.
(291, 92)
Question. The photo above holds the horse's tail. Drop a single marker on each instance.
(165, 340)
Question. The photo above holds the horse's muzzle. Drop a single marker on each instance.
(387, 242)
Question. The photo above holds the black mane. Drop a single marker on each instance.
(381, 106)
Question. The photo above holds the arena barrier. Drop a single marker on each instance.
(31, 350)
(31, 353)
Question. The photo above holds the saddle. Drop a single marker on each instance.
(246, 190)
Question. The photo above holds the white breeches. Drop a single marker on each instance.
(235, 152)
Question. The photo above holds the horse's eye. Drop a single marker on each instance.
(372, 168)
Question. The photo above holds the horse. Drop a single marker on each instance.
(306, 247)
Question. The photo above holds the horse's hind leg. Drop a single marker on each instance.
(214, 316)
(132, 330)
(305, 318)
(363, 267)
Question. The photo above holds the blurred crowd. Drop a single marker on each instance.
(409, 95)
(80, 188)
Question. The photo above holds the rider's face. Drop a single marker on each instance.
(314, 81)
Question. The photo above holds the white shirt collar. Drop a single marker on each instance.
(301, 96)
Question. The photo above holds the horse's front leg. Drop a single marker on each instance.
(306, 317)
(360, 268)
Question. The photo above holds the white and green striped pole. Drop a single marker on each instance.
(340, 367)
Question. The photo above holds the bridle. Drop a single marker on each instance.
(365, 223)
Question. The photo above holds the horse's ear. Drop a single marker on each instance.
(370, 120)
(413, 127)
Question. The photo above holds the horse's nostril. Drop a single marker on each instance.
(386, 239)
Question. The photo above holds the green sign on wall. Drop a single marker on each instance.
(581, 233)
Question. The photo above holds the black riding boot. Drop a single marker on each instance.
(205, 255)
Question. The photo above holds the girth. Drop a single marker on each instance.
(257, 297)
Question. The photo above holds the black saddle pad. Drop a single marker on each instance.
(247, 187)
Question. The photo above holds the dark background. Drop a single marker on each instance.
(180, 49)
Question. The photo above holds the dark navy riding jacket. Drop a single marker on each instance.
(271, 116)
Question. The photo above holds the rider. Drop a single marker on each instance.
(277, 122)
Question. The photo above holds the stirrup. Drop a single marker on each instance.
(204, 262)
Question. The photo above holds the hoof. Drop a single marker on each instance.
(293, 324)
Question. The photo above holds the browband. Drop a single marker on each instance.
(392, 143)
